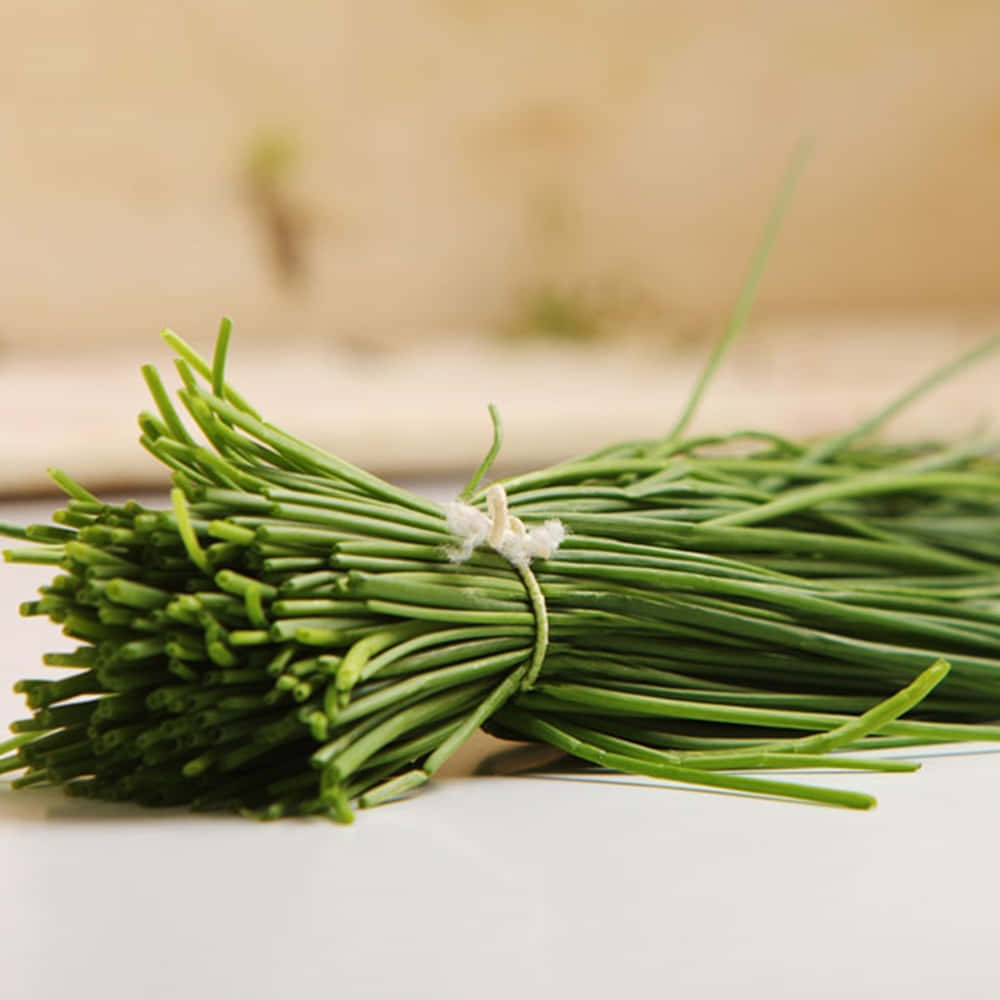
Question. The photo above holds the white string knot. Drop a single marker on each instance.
(505, 533)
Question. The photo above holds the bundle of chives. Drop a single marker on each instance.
(297, 636)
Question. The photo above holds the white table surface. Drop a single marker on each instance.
(486, 886)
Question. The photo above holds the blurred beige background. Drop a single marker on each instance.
(403, 197)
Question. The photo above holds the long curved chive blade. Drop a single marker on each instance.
(484, 467)
(829, 447)
(186, 530)
(875, 718)
(748, 291)
(549, 733)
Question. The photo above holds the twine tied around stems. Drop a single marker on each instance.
(508, 536)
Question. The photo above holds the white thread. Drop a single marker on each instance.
(496, 511)
(505, 533)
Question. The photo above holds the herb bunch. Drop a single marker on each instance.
(294, 636)
(297, 636)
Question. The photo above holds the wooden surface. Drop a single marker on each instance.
(390, 172)
(422, 412)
